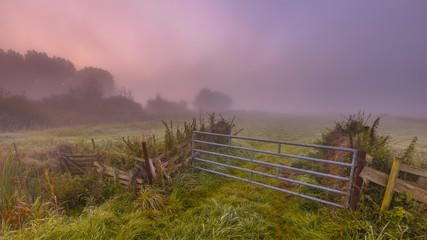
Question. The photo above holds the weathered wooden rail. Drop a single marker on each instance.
(125, 178)
(418, 190)
(78, 164)
(84, 164)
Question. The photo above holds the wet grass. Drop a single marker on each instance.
(198, 205)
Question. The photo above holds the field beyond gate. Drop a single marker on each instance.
(221, 154)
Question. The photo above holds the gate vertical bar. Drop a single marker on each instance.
(350, 183)
(192, 150)
(229, 144)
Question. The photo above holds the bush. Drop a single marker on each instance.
(403, 220)
(20, 186)
(76, 192)
(17, 112)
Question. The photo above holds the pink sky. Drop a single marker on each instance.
(276, 55)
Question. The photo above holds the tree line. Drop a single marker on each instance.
(38, 75)
(38, 91)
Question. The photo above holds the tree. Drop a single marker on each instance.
(97, 77)
(208, 100)
(163, 107)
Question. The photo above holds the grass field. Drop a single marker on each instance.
(303, 129)
(199, 205)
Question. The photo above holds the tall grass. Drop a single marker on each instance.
(18, 200)
(192, 204)
(10, 189)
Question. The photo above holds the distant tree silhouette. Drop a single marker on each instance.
(39, 75)
(17, 112)
(162, 107)
(45, 75)
(12, 70)
(123, 92)
(60, 95)
(208, 100)
(96, 77)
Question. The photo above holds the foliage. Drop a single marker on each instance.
(161, 107)
(19, 185)
(39, 75)
(208, 100)
(17, 112)
(404, 219)
(150, 201)
(126, 217)
(49, 91)
(73, 193)
(95, 81)
(76, 107)
(409, 154)
(353, 132)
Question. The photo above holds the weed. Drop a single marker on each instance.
(150, 201)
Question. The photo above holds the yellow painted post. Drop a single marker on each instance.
(390, 184)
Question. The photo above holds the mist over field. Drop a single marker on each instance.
(287, 57)
(214, 119)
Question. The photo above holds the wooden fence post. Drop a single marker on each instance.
(114, 174)
(93, 144)
(388, 196)
(147, 164)
(358, 181)
(130, 175)
(102, 171)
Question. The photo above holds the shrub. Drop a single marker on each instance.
(150, 201)
(76, 192)
(17, 112)
(404, 219)
(20, 184)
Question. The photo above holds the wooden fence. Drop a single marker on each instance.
(418, 189)
(125, 178)
(84, 164)
(78, 164)
(164, 165)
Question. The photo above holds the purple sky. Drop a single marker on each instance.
(288, 56)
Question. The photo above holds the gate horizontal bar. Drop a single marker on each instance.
(222, 164)
(271, 187)
(275, 165)
(281, 142)
(276, 154)
(273, 176)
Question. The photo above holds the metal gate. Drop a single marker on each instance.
(222, 154)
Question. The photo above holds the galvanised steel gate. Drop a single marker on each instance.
(213, 146)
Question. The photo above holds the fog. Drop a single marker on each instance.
(283, 56)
